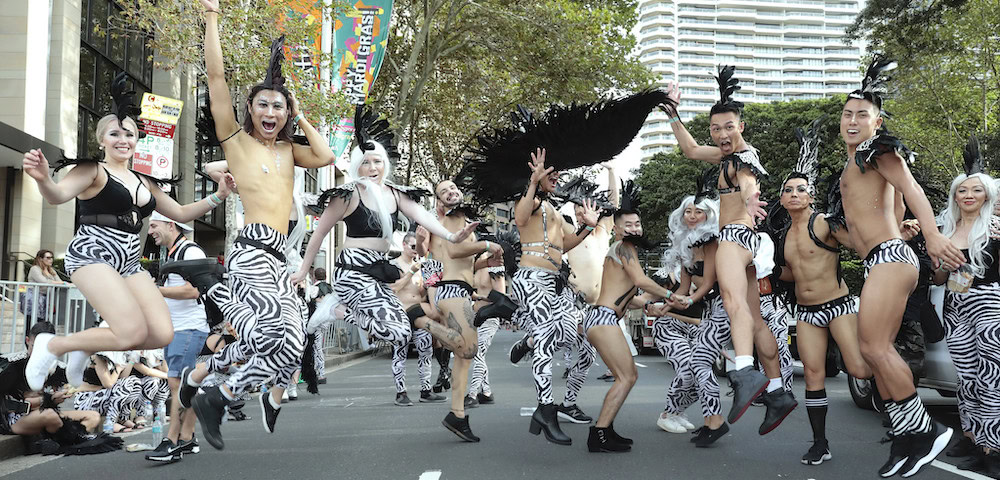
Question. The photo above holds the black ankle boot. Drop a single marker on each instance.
(460, 427)
(618, 438)
(545, 419)
(602, 440)
(203, 273)
(501, 307)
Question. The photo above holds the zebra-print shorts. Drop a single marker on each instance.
(893, 250)
(95, 244)
(821, 315)
(741, 235)
(600, 316)
(447, 289)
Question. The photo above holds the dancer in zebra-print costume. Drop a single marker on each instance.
(972, 314)
(422, 342)
(479, 382)
(103, 257)
(108, 392)
(586, 354)
(874, 176)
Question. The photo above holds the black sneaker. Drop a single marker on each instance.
(699, 433)
(818, 453)
(779, 404)
(427, 396)
(519, 350)
(166, 452)
(898, 453)
(748, 383)
(471, 402)
(573, 414)
(189, 446)
(321, 381)
(268, 413)
(203, 273)
(460, 427)
(484, 399)
(186, 392)
(962, 448)
(709, 436)
(924, 447)
(402, 400)
(210, 407)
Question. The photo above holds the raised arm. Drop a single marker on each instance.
(688, 145)
(425, 219)
(186, 213)
(526, 204)
(221, 103)
(334, 212)
(612, 184)
(318, 153)
(892, 167)
(76, 181)
(423, 238)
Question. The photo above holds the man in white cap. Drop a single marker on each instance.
(190, 332)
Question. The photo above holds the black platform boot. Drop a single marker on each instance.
(501, 307)
(602, 440)
(203, 273)
(545, 419)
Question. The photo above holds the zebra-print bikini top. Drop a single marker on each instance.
(115, 207)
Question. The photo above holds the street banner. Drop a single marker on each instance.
(154, 153)
(360, 35)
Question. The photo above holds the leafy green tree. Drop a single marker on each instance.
(453, 66)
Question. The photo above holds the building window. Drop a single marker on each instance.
(203, 184)
(102, 56)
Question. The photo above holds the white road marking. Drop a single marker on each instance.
(639, 365)
(964, 473)
(430, 475)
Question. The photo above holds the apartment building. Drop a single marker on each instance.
(782, 50)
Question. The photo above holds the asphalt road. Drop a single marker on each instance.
(353, 431)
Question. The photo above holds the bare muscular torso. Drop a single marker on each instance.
(733, 206)
(616, 285)
(454, 268)
(813, 267)
(266, 196)
(587, 260)
(411, 292)
(870, 207)
(532, 232)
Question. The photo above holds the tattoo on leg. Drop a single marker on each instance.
(470, 316)
(453, 323)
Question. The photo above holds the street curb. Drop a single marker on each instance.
(12, 446)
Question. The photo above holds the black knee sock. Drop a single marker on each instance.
(816, 406)
(443, 356)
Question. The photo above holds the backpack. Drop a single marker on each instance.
(212, 312)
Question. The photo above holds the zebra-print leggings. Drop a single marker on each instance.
(95, 244)
(372, 305)
(422, 341)
(586, 355)
(319, 356)
(480, 379)
(262, 306)
(972, 330)
(775, 315)
(713, 335)
(111, 402)
(549, 317)
(674, 339)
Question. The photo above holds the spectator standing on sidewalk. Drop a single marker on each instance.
(190, 321)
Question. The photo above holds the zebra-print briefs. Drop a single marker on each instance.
(741, 235)
(893, 250)
(821, 315)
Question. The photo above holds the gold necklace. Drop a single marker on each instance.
(274, 151)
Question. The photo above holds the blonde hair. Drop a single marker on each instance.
(102, 125)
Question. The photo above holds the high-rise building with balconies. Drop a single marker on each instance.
(782, 50)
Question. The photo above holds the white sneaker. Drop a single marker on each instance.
(683, 419)
(75, 367)
(293, 392)
(668, 422)
(284, 396)
(40, 363)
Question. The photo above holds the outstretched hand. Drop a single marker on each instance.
(941, 251)
(590, 212)
(537, 166)
(755, 207)
(675, 96)
(463, 233)
(226, 186)
(35, 165)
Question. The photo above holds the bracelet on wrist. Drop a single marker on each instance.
(589, 228)
(669, 294)
(217, 12)
(673, 119)
(298, 117)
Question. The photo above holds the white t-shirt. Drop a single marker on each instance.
(186, 314)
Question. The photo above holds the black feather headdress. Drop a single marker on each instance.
(807, 166)
(579, 189)
(873, 87)
(573, 136)
(705, 185)
(123, 102)
(973, 157)
(273, 79)
(728, 86)
(369, 128)
(631, 198)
